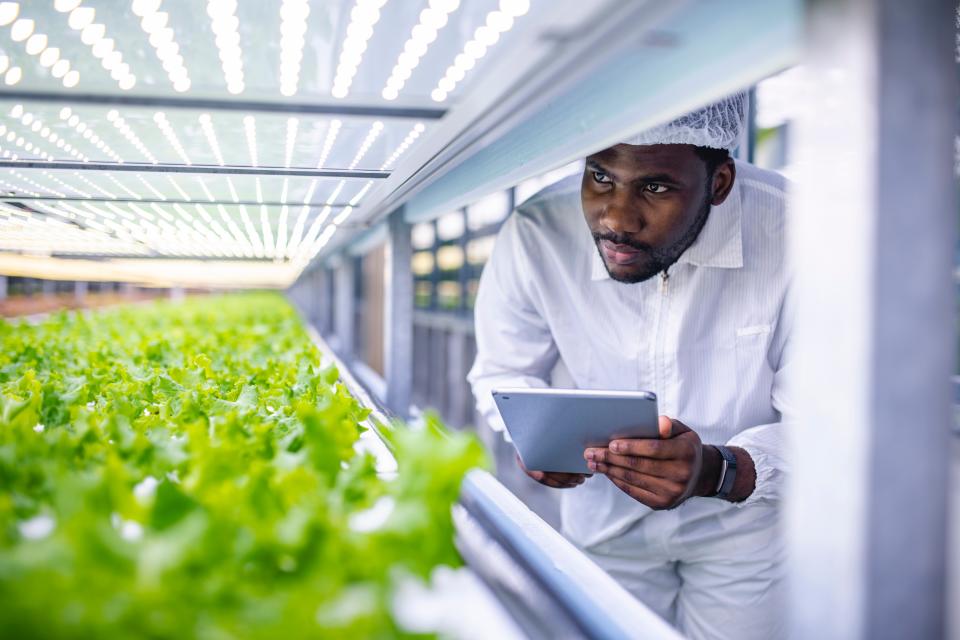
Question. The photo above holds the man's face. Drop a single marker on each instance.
(646, 204)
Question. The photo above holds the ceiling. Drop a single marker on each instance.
(175, 130)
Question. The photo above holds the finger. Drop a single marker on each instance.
(648, 448)
(640, 494)
(665, 425)
(653, 484)
(649, 466)
(670, 428)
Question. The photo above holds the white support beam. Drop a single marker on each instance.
(398, 321)
(344, 307)
(873, 238)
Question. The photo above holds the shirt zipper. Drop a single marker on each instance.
(658, 377)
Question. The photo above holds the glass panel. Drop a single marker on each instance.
(422, 236)
(422, 263)
(448, 294)
(490, 210)
(450, 225)
(479, 249)
(421, 293)
(449, 258)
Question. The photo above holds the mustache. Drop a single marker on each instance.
(618, 238)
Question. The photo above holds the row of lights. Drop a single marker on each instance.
(88, 133)
(363, 16)
(29, 120)
(161, 119)
(206, 123)
(411, 137)
(114, 117)
(36, 44)
(375, 130)
(225, 25)
(332, 131)
(432, 19)
(484, 37)
(94, 35)
(155, 24)
(293, 29)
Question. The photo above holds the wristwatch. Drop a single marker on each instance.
(728, 472)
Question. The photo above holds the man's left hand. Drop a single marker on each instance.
(660, 473)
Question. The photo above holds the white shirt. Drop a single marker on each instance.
(709, 340)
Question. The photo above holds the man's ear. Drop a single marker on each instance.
(723, 179)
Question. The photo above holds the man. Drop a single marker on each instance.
(661, 269)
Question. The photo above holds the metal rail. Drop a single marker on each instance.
(220, 104)
(240, 170)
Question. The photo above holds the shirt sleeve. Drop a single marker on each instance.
(515, 347)
(767, 443)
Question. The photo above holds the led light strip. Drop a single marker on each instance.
(295, 237)
(375, 130)
(83, 179)
(11, 136)
(432, 19)
(183, 194)
(206, 123)
(34, 127)
(94, 35)
(483, 38)
(36, 44)
(250, 129)
(332, 132)
(293, 28)
(225, 27)
(155, 24)
(88, 133)
(413, 135)
(78, 191)
(114, 117)
(35, 184)
(364, 15)
(161, 119)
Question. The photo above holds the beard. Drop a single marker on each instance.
(653, 260)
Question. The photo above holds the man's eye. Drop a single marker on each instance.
(653, 187)
(601, 177)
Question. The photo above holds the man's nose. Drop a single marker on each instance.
(622, 215)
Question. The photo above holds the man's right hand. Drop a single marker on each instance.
(555, 479)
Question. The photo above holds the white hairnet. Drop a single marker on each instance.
(718, 126)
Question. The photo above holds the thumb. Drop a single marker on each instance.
(670, 428)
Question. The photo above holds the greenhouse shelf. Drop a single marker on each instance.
(542, 583)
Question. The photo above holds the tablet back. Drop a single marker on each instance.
(551, 427)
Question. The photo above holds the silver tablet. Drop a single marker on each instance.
(551, 427)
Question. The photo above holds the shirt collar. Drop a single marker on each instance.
(719, 244)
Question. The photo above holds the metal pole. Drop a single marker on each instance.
(398, 320)
(3, 287)
(237, 170)
(344, 306)
(184, 102)
(875, 340)
(80, 290)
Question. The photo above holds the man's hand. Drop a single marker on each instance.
(555, 479)
(661, 473)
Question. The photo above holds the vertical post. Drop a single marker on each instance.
(875, 335)
(343, 321)
(3, 287)
(80, 290)
(49, 287)
(398, 321)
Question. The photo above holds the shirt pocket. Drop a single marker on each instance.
(753, 371)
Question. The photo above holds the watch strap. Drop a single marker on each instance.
(728, 472)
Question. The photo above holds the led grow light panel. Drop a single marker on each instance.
(369, 50)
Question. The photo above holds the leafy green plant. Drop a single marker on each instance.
(190, 470)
